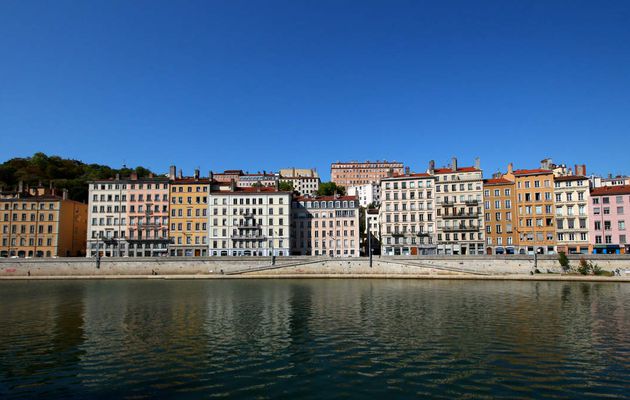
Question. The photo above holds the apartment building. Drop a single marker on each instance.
(407, 214)
(459, 217)
(499, 216)
(354, 173)
(128, 217)
(571, 194)
(304, 181)
(37, 222)
(252, 221)
(325, 226)
(534, 209)
(609, 212)
(370, 193)
(189, 215)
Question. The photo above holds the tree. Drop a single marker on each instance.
(286, 186)
(564, 261)
(330, 189)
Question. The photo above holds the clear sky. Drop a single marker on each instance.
(262, 85)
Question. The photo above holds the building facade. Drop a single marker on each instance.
(609, 213)
(370, 193)
(189, 216)
(534, 209)
(407, 215)
(354, 173)
(458, 192)
(39, 223)
(249, 222)
(304, 181)
(372, 231)
(499, 216)
(571, 194)
(325, 226)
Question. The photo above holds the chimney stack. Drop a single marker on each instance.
(431, 167)
(510, 168)
(181, 174)
(197, 174)
(211, 175)
(477, 163)
(232, 185)
(454, 164)
(172, 171)
(117, 177)
(20, 187)
(406, 170)
(64, 194)
(134, 176)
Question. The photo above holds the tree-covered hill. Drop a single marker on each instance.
(63, 173)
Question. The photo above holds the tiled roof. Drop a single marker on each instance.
(450, 170)
(497, 181)
(570, 178)
(611, 190)
(188, 180)
(327, 198)
(538, 171)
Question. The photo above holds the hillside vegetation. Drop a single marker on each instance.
(63, 173)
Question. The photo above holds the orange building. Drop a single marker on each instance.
(500, 216)
(534, 209)
(361, 173)
(39, 223)
(189, 215)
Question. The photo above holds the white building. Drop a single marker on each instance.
(407, 215)
(305, 181)
(107, 218)
(368, 194)
(249, 222)
(571, 200)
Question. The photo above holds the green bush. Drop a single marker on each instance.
(596, 269)
(564, 261)
(585, 267)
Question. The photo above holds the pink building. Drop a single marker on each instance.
(609, 211)
(325, 226)
(147, 213)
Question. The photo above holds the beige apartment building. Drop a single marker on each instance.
(500, 216)
(407, 214)
(305, 181)
(458, 192)
(571, 199)
(251, 221)
(354, 173)
(325, 226)
(189, 215)
(38, 223)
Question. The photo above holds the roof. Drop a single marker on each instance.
(403, 176)
(570, 178)
(450, 170)
(366, 162)
(497, 181)
(326, 198)
(188, 180)
(611, 190)
(538, 171)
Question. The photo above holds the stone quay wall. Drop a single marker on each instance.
(299, 265)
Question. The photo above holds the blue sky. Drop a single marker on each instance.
(262, 85)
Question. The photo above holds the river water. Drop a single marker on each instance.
(314, 339)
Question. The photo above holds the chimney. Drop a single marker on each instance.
(232, 185)
(64, 194)
(172, 171)
(211, 175)
(546, 163)
(181, 174)
(431, 167)
(454, 164)
(580, 170)
(134, 176)
(197, 174)
(477, 163)
(20, 187)
(150, 174)
(117, 177)
(510, 168)
(406, 170)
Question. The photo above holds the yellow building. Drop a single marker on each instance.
(535, 209)
(500, 216)
(38, 223)
(189, 215)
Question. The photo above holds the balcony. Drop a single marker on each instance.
(446, 203)
(471, 202)
(248, 237)
(461, 215)
(460, 228)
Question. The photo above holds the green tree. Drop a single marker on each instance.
(330, 188)
(564, 261)
(286, 186)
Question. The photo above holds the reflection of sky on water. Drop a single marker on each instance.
(312, 337)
